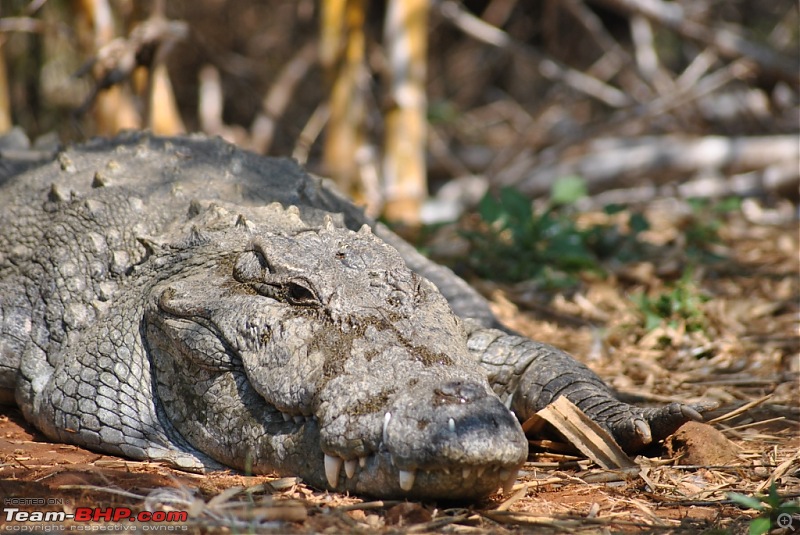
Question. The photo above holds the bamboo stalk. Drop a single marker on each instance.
(5, 96)
(342, 51)
(404, 173)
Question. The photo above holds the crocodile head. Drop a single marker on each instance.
(314, 351)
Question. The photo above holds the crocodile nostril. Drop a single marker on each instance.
(456, 392)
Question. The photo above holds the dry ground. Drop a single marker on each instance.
(746, 358)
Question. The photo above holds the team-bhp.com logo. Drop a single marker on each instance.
(93, 514)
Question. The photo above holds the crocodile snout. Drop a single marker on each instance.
(456, 432)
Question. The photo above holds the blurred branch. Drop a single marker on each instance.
(22, 24)
(210, 106)
(210, 101)
(280, 96)
(728, 43)
(111, 104)
(594, 26)
(781, 180)
(34, 6)
(548, 68)
(697, 68)
(310, 133)
(612, 163)
(645, 51)
(116, 61)
(515, 171)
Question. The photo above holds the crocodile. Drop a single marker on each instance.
(185, 301)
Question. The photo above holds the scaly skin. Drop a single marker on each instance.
(151, 306)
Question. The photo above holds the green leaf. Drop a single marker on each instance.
(746, 501)
(516, 205)
(613, 208)
(652, 321)
(760, 525)
(773, 498)
(728, 205)
(638, 222)
(567, 190)
(489, 208)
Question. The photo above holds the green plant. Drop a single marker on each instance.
(775, 511)
(703, 228)
(513, 242)
(682, 303)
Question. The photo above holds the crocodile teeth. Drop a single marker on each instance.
(407, 479)
(333, 466)
(480, 471)
(286, 417)
(451, 425)
(350, 467)
(386, 418)
(362, 461)
(298, 419)
(466, 472)
(508, 484)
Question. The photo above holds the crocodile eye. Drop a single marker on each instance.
(250, 266)
(297, 293)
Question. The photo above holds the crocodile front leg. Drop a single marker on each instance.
(528, 375)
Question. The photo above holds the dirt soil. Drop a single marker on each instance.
(746, 359)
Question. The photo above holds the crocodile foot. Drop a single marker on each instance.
(635, 427)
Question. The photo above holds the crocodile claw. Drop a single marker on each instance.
(635, 428)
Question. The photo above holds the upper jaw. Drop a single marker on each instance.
(377, 476)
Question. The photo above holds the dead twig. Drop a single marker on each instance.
(280, 96)
(583, 433)
(614, 163)
(517, 168)
(727, 42)
(548, 67)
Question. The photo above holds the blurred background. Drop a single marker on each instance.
(399, 100)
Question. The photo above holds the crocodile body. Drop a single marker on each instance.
(185, 301)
